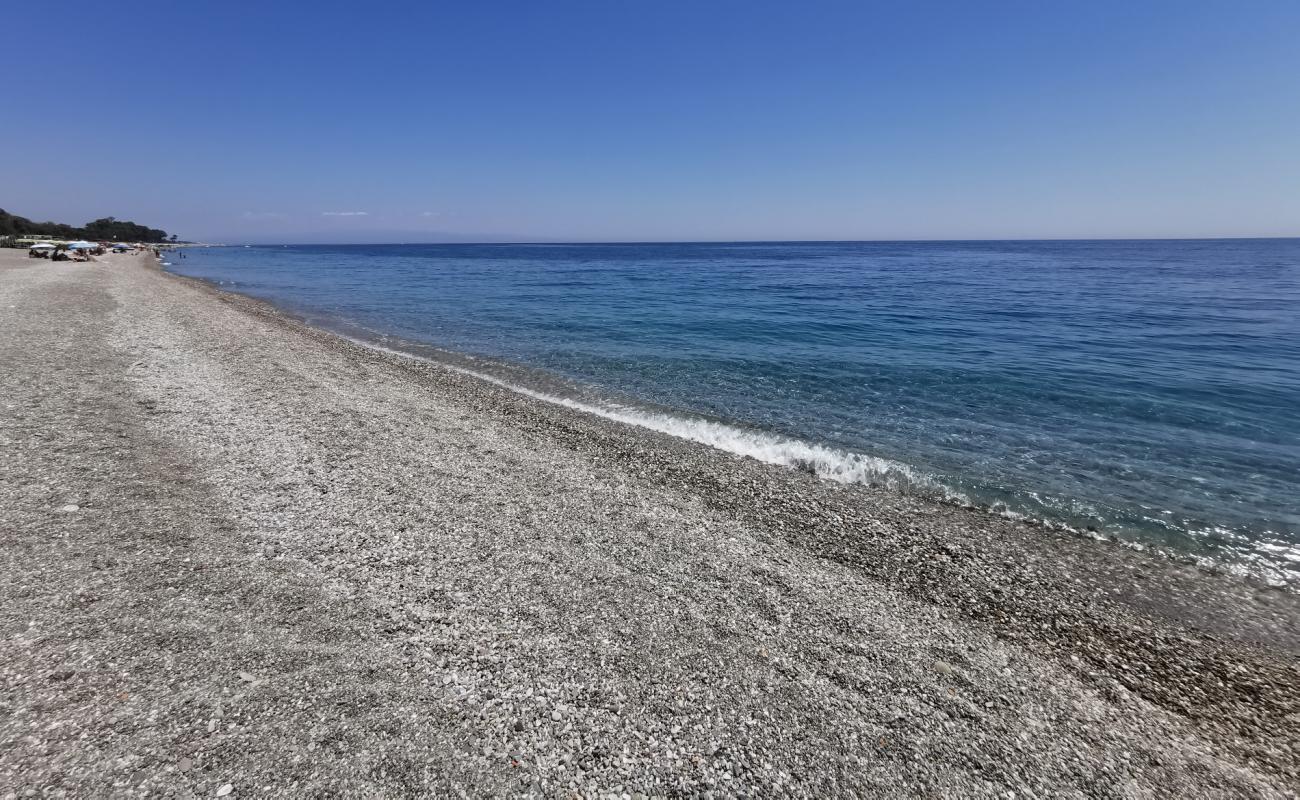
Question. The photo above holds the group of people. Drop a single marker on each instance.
(59, 255)
(62, 253)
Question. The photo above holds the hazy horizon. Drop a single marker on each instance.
(583, 122)
(613, 242)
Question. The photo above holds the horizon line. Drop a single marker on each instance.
(759, 241)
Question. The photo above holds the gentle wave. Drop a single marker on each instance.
(840, 465)
(843, 466)
(824, 462)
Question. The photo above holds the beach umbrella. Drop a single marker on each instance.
(81, 246)
(41, 246)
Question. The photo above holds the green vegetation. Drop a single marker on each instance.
(106, 229)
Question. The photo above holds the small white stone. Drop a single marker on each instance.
(69, 508)
(225, 790)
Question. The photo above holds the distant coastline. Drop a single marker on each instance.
(13, 227)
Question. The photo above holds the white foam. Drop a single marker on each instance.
(825, 462)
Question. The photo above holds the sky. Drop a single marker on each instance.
(622, 120)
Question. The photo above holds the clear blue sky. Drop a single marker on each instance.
(628, 120)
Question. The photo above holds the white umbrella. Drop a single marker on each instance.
(41, 246)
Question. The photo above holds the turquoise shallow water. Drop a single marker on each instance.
(1146, 389)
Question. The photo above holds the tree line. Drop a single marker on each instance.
(105, 229)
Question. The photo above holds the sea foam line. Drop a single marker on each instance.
(828, 463)
(824, 462)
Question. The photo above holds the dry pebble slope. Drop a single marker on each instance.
(140, 630)
(611, 634)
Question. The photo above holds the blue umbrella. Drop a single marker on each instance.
(82, 246)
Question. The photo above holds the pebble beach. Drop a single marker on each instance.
(246, 557)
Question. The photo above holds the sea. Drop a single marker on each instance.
(1142, 391)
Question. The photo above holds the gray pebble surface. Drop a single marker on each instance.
(245, 557)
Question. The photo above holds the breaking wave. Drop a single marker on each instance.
(824, 462)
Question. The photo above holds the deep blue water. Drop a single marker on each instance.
(1147, 389)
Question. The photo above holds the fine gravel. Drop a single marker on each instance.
(241, 556)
